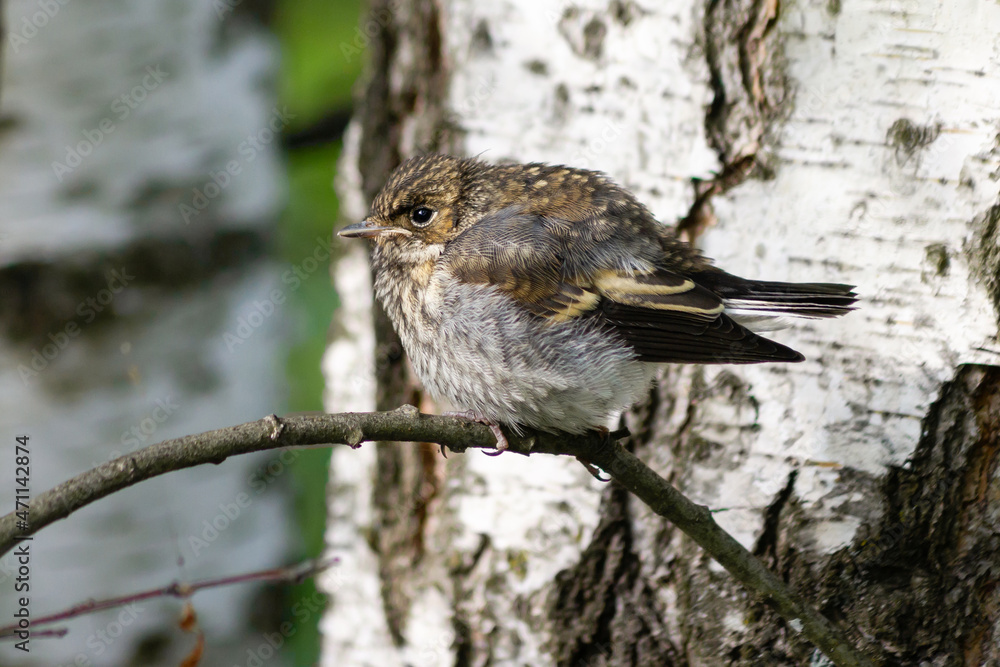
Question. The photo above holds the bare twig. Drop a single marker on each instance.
(407, 424)
(293, 574)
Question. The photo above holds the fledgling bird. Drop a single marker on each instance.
(544, 296)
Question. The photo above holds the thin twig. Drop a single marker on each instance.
(292, 574)
(407, 424)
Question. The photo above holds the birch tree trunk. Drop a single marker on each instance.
(812, 141)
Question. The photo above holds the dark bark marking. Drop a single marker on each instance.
(767, 544)
(602, 610)
(907, 138)
(41, 297)
(984, 254)
(923, 581)
(748, 85)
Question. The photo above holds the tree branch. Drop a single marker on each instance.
(407, 424)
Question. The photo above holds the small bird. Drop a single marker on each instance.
(544, 296)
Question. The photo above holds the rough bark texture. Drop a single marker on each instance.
(808, 141)
(924, 570)
(602, 610)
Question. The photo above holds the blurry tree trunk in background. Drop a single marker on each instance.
(821, 141)
(3, 33)
(140, 181)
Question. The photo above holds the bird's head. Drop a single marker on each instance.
(419, 206)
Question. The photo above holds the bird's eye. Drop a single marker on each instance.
(421, 216)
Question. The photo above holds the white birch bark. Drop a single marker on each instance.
(882, 160)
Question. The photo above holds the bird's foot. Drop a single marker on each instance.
(502, 444)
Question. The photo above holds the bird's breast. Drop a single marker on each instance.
(403, 284)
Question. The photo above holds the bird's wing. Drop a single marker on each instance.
(663, 315)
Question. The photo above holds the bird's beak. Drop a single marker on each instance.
(367, 229)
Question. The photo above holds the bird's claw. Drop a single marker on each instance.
(502, 444)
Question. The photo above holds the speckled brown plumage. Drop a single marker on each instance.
(536, 294)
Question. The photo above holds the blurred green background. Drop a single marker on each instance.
(320, 64)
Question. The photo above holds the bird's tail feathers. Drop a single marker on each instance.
(760, 299)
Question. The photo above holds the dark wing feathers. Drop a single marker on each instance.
(664, 316)
(674, 337)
